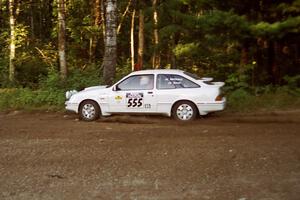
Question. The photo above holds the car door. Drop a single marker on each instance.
(171, 88)
(135, 94)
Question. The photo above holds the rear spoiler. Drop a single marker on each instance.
(221, 84)
(208, 80)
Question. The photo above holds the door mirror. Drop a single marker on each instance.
(115, 88)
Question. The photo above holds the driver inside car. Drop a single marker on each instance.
(146, 82)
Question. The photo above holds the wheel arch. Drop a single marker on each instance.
(84, 100)
(173, 105)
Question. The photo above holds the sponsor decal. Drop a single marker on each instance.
(147, 106)
(134, 100)
(118, 98)
(135, 95)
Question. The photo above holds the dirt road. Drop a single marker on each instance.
(55, 156)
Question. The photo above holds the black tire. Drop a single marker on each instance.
(89, 111)
(184, 111)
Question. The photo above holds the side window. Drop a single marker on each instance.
(137, 82)
(163, 82)
(169, 81)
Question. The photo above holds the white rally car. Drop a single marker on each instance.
(169, 92)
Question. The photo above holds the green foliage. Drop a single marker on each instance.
(4, 82)
(77, 79)
(207, 37)
(239, 99)
(52, 80)
(189, 49)
(51, 91)
(21, 35)
(123, 70)
(293, 82)
(290, 8)
(273, 98)
(240, 79)
(221, 22)
(28, 70)
(29, 99)
(277, 29)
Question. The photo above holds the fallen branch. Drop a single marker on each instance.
(123, 16)
(46, 59)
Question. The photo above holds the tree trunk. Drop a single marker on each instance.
(62, 38)
(244, 56)
(32, 19)
(1, 10)
(156, 56)
(97, 23)
(98, 19)
(275, 66)
(103, 19)
(272, 63)
(132, 40)
(173, 57)
(110, 55)
(12, 45)
(40, 7)
(140, 60)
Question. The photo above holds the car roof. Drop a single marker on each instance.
(158, 71)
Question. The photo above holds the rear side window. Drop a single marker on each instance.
(171, 81)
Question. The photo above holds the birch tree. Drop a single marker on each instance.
(12, 45)
(110, 54)
(156, 56)
(62, 38)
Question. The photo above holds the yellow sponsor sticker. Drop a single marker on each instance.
(118, 98)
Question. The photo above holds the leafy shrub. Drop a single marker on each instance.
(293, 81)
(123, 70)
(51, 81)
(239, 99)
(51, 91)
(293, 85)
(239, 79)
(77, 79)
(29, 99)
(269, 98)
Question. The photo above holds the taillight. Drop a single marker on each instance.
(219, 98)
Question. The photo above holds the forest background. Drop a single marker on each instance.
(50, 46)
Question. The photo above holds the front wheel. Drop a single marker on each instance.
(89, 111)
(184, 111)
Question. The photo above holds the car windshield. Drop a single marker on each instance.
(194, 76)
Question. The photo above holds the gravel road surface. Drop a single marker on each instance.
(52, 156)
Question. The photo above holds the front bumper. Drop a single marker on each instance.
(207, 107)
(71, 106)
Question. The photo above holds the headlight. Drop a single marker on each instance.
(70, 93)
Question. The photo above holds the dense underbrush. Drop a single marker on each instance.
(239, 100)
(50, 94)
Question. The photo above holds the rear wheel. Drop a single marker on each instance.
(184, 111)
(89, 111)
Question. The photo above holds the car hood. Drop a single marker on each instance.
(95, 87)
(86, 91)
